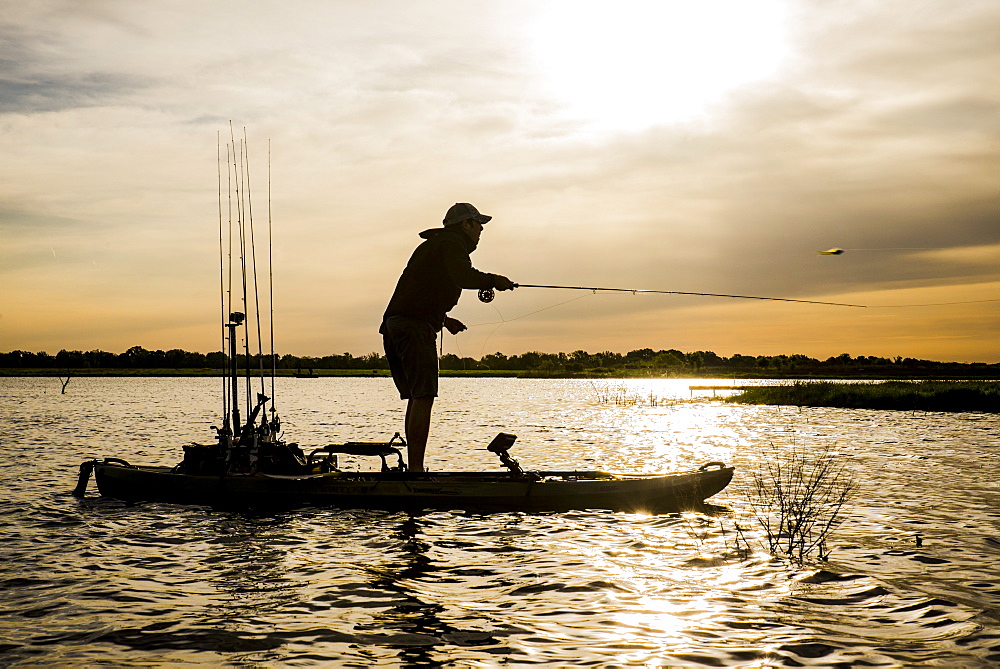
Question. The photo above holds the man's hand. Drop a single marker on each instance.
(454, 325)
(502, 282)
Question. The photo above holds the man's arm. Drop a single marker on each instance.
(460, 270)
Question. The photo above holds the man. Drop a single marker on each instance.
(427, 290)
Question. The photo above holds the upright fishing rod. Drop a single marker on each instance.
(241, 227)
(238, 174)
(222, 276)
(230, 320)
(230, 368)
(270, 276)
(487, 294)
(253, 262)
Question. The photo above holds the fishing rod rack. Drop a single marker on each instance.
(253, 443)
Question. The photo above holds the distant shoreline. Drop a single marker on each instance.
(963, 396)
(479, 373)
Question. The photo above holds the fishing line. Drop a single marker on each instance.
(930, 304)
(482, 349)
(487, 295)
(503, 321)
(635, 291)
(838, 251)
(530, 313)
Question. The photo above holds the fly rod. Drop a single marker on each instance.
(487, 294)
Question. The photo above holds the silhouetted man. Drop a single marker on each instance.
(427, 290)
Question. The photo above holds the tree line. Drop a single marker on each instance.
(639, 361)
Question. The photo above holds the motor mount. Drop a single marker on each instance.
(500, 445)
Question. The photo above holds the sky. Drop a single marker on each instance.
(713, 146)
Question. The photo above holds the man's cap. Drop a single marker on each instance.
(463, 211)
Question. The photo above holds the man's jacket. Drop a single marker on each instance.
(434, 277)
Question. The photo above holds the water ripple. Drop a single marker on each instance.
(95, 582)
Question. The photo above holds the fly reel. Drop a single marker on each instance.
(486, 295)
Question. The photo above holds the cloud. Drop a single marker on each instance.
(40, 75)
(878, 131)
(32, 94)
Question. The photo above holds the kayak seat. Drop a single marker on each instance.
(364, 448)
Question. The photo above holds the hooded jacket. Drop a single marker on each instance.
(434, 277)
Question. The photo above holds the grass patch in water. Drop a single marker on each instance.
(900, 395)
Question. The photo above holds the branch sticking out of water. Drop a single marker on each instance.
(797, 500)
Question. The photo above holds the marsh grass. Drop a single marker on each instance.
(898, 395)
(622, 395)
(795, 501)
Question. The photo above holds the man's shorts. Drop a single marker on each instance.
(410, 348)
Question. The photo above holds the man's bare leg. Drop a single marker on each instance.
(418, 427)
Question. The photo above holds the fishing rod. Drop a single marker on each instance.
(222, 273)
(253, 263)
(238, 178)
(487, 294)
(270, 276)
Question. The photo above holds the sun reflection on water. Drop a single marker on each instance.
(108, 584)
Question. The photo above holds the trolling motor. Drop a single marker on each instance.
(500, 445)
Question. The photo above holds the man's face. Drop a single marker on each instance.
(472, 228)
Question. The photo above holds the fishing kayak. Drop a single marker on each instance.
(476, 491)
(250, 465)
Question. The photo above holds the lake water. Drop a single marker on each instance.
(95, 582)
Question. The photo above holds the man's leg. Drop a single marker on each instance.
(418, 427)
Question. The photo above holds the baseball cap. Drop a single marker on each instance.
(463, 211)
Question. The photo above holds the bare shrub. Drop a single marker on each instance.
(797, 500)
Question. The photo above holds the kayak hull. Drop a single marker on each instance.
(485, 491)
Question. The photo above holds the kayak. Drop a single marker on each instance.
(281, 475)
(483, 491)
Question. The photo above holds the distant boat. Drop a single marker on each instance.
(299, 374)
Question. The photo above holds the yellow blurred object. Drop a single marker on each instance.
(831, 252)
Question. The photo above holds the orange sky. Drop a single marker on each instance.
(703, 147)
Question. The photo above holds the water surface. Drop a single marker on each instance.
(97, 582)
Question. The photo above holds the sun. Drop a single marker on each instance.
(633, 64)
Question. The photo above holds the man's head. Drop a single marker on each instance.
(463, 211)
(463, 216)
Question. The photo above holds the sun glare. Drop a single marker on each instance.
(632, 64)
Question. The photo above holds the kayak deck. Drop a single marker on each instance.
(487, 491)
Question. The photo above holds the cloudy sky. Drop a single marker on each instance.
(711, 146)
